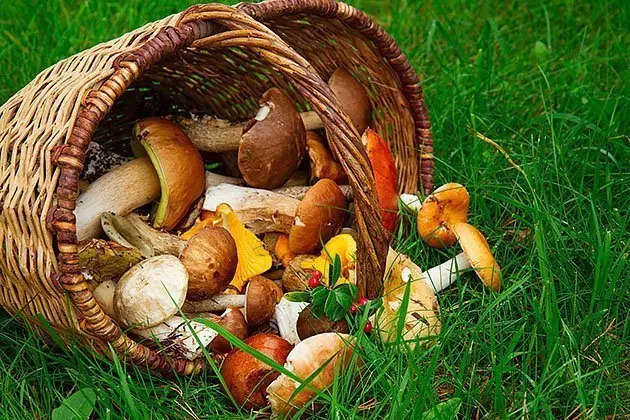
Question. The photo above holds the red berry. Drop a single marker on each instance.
(368, 327)
(315, 280)
(354, 309)
(363, 301)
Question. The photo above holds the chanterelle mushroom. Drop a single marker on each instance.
(327, 353)
(151, 292)
(319, 217)
(476, 255)
(172, 166)
(446, 206)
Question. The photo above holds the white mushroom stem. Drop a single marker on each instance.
(120, 191)
(180, 337)
(285, 317)
(260, 211)
(442, 276)
(217, 303)
(214, 135)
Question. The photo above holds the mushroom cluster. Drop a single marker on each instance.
(166, 244)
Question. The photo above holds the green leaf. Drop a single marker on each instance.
(298, 296)
(344, 299)
(318, 300)
(335, 271)
(331, 305)
(444, 411)
(77, 406)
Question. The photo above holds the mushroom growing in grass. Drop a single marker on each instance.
(172, 167)
(210, 258)
(261, 211)
(246, 376)
(319, 217)
(477, 255)
(134, 232)
(253, 258)
(270, 147)
(151, 292)
(446, 206)
(422, 315)
(258, 302)
(322, 356)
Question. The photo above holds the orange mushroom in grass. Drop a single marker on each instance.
(440, 211)
(385, 177)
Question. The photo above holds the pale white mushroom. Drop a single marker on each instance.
(285, 318)
(104, 295)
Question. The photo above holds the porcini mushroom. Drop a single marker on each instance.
(151, 292)
(172, 166)
(134, 232)
(210, 258)
(270, 147)
(253, 258)
(439, 211)
(258, 302)
(233, 321)
(322, 163)
(327, 354)
(319, 217)
(260, 211)
(476, 255)
(422, 316)
(385, 177)
(308, 324)
(246, 376)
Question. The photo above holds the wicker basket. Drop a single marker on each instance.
(210, 59)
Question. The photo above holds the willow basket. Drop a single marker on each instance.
(210, 59)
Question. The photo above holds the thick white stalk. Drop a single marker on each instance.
(216, 303)
(442, 276)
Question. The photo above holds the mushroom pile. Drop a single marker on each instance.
(166, 244)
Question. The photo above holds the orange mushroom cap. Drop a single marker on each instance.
(446, 206)
(478, 252)
(322, 163)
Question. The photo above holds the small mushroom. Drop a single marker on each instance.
(322, 356)
(172, 166)
(247, 377)
(105, 260)
(233, 321)
(446, 206)
(308, 324)
(253, 258)
(385, 177)
(297, 273)
(260, 211)
(134, 232)
(322, 163)
(258, 302)
(476, 255)
(319, 217)
(422, 317)
(151, 292)
(104, 295)
(285, 317)
(210, 259)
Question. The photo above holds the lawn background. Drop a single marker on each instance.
(546, 80)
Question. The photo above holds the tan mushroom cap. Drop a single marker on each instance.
(272, 148)
(446, 206)
(478, 252)
(318, 218)
(211, 259)
(179, 167)
(353, 98)
(261, 296)
(233, 321)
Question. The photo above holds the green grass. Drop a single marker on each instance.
(548, 81)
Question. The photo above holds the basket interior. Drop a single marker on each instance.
(227, 83)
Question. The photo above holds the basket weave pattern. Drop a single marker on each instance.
(210, 59)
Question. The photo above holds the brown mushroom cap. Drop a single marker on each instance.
(233, 321)
(309, 324)
(246, 377)
(446, 206)
(478, 252)
(295, 277)
(261, 296)
(210, 258)
(272, 149)
(322, 163)
(353, 98)
(179, 167)
(319, 217)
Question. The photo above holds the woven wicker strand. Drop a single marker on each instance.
(210, 59)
